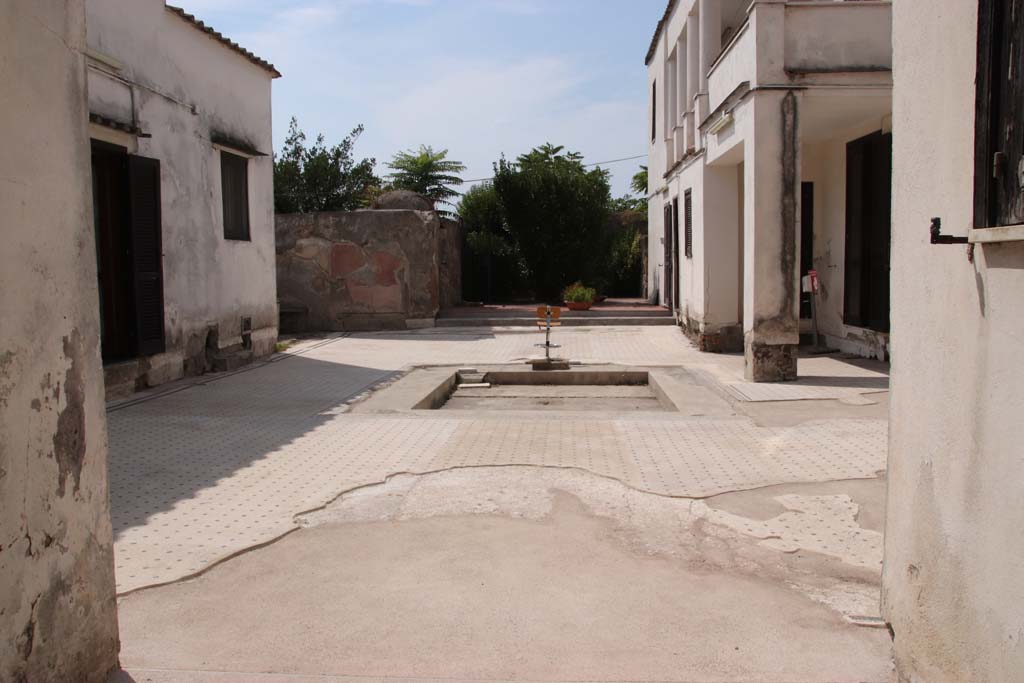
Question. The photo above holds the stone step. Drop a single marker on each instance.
(652, 312)
(630, 321)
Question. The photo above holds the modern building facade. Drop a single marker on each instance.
(953, 577)
(770, 138)
(180, 123)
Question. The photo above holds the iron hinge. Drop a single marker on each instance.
(939, 238)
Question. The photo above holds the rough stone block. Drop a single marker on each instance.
(346, 259)
(385, 267)
(770, 362)
(378, 299)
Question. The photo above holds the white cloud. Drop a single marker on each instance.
(344, 65)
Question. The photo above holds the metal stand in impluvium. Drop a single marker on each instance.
(810, 286)
(548, 317)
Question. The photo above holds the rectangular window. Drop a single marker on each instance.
(688, 222)
(654, 111)
(234, 175)
(999, 108)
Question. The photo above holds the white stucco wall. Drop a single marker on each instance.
(184, 87)
(863, 42)
(58, 615)
(953, 578)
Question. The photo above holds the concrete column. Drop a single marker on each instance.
(670, 112)
(692, 60)
(682, 66)
(671, 96)
(710, 38)
(59, 612)
(771, 244)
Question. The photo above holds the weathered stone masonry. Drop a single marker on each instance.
(364, 270)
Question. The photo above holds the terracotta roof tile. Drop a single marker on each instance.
(220, 37)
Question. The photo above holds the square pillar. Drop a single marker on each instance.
(682, 71)
(692, 60)
(710, 38)
(668, 106)
(771, 325)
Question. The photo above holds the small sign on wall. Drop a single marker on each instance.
(809, 282)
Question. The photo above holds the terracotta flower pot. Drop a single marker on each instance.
(579, 305)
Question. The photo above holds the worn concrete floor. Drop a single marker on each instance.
(463, 545)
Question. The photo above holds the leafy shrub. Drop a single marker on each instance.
(578, 293)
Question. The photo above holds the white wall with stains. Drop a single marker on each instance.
(181, 87)
(953, 577)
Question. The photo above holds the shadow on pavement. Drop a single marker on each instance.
(174, 445)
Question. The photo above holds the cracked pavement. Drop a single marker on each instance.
(322, 541)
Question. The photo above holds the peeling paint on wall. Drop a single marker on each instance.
(69, 439)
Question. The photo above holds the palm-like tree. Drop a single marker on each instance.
(428, 173)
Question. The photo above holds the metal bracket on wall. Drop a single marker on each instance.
(938, 238)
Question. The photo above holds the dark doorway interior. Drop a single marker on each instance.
(670, 260)
(675, 253)
(113, 251)
(126, 213)
(806, 242)
(868, 230)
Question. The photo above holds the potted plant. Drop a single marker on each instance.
(578, 297)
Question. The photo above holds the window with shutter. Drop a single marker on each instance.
(234, 175)
(147, 252)
(999, 116)
(688, 219)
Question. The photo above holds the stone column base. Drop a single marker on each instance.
(770, 362)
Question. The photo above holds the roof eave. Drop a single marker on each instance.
(223, 40)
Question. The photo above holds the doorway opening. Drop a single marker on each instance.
(670, 259)
(868, 231)
(806, 242)
(126, 215)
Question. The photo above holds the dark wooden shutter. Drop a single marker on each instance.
(147, 253)
(669, 258)
(853, 272)
(234, 174)
(999, 115)
(688, 222)
(868, 231)
(676, 266)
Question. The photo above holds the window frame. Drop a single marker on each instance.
(232, 232)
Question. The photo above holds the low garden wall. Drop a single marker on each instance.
(365, 270)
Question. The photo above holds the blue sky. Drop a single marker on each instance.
(477, 77)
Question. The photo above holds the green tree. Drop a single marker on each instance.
(628, 202)
(557, 213)
(492, 267)
(321, 178)
(639, 182)
(428, 173)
